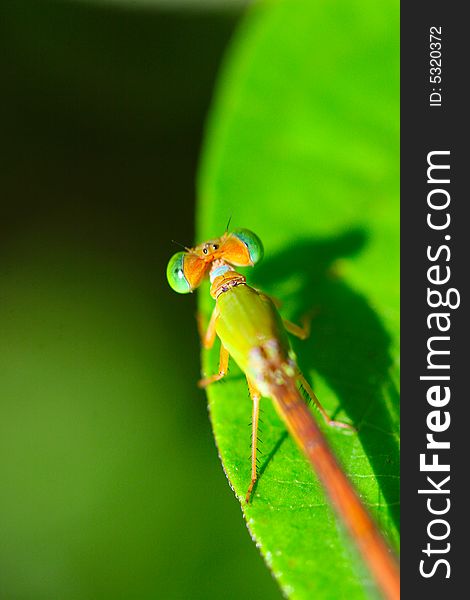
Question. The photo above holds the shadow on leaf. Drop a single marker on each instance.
(349, 346)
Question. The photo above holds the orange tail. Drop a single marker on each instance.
(373, 548)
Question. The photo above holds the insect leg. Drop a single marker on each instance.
(208, 336)
(301, 331)
(323, 412)
(223, 368)
(255, 396)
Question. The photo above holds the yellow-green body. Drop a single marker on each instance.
(248, 319)
(252, 332)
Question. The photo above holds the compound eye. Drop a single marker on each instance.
(252, 242)
(175, 274)
(215, 246)
(204, 250)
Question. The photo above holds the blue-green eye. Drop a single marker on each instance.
(175, 274)
(252, 242)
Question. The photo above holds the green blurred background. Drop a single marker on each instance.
(104, 437)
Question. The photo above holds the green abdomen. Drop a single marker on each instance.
(246, 320)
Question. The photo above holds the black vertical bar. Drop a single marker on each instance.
(434, 123)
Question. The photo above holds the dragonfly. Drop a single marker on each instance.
(253, 333)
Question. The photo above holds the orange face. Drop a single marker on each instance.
(229, 248)
(239, 248)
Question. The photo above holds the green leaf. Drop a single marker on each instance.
(302, 147)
